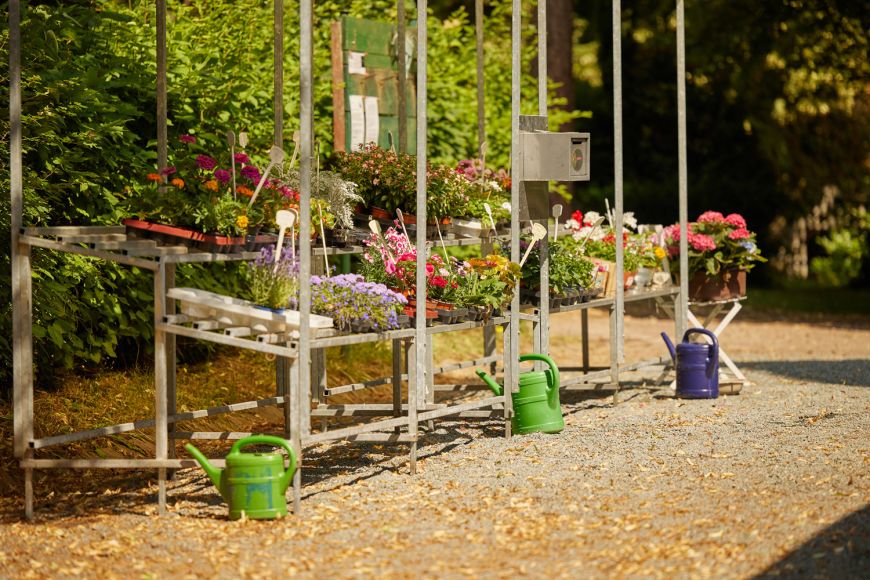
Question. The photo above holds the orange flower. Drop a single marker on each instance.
(244, 191)
(178, 182)
(211, 185)
(153, 177)
(242, 221)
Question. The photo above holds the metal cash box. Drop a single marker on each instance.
(548, 156)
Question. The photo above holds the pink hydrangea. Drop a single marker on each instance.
(739, 234)
(711, 217)
(702, 242)
(736, 220)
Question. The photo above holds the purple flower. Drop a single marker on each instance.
(186, 138)
(168, 170)
(205, 162)
(222, 175)
(241, 158)
(251, 173)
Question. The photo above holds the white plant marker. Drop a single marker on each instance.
(402, 223)
(276, 157)
(557, 213)
(243, 140)
(285, 220)
(231, 141)
(592, 229)
(375, 227)
(489, 213)
(609, 213)
(443, 247)
(539, 232)
(296, 138)
(323, 239)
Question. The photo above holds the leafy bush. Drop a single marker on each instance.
(845, 249)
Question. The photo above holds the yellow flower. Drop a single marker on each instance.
(242, 221)
(211, 185)
(177, 182)
(660, 253)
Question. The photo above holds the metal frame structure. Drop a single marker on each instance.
(300, 364)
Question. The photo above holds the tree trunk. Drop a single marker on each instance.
(560, 32)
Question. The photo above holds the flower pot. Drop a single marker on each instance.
(726, 286)
(381, 214)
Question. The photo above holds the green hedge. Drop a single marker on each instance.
(89, 132)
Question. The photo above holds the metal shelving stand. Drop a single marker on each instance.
(300, 368)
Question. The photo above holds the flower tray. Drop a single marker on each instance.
(451, 316)
(177, 235)
(255, 243)
(411, 313)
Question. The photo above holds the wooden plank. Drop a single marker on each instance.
(288, 351)
(157, 251)
(358, 386)
(339, 136)
(123, 245)
(91, 238)
(83, 251)
(72, 230)
(114, 463)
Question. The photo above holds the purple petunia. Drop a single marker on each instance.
(222, 175)
(205, 162)
(241, 158)
(250, 172)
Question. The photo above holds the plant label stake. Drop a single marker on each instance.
(443, 247)
(296, 138)
(243, 140)
(402, 223)
(557, 213)
(285, 219)
(231, 141)
(375, 227)
(489, 213)
(539, 232)
(323, 239)
(276, 157)
(592, 229)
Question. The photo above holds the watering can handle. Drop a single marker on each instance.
(544, 358)
(268, 440)
(713, 359)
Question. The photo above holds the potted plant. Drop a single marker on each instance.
(270, 285)
(357, 305)
(721, 251)
(569, 272)
(487, 187)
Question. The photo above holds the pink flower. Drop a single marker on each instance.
(430, 269)
(222, 175)
(438, 281)
(736, 220)
(711, 217)
(739, 234)
(702, 242)
(187, 138)
(167, 170)
(205, 162)
(241, 158)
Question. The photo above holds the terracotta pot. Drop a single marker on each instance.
(381, 214)
(727, 285)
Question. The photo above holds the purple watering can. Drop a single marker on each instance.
(697, 366)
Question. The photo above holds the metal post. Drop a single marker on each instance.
(543, 326)
(171, 370)
(617, 327)
(512, 370)
(161, 85)
(307, 137)
(22, 309)
(402, 78)
(161, 433)
(481, 100)
(279, 72)
(683, 309)
(420, 338)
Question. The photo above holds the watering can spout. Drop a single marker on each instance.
(670, 345)
(490, 382)
(213, 472)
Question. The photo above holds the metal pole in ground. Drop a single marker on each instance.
(618, 314)
(511, 368)
(402, 77)
(683, 309)
(307, 136)
(278, 84)
(420, 338)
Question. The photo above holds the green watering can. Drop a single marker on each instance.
(252, 484)
(536, 405)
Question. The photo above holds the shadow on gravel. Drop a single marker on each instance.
(841, 550)
(854, 372)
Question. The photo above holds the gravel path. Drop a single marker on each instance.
(774, 480)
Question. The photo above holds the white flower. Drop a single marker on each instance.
(591, 217)
(572, 224)
(629, 221)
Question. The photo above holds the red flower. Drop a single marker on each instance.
(438, 281)
(577, 216)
